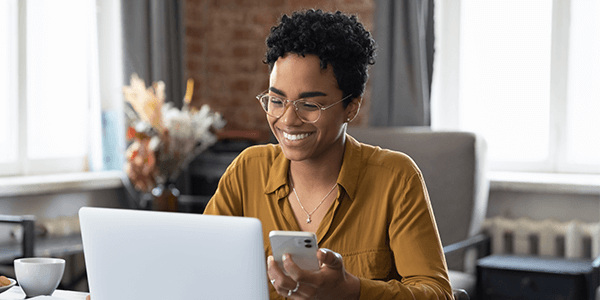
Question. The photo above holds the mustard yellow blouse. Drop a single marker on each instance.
(381, 221)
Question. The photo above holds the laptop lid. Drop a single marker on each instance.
(134, 254)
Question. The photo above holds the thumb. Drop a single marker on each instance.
(330, 259)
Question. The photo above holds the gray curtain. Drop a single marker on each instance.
(401, 78)
(153, 43)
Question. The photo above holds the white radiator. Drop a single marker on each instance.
(524, 236)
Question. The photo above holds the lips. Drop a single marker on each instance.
(295, 137)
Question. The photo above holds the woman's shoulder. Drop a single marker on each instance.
(376, 156)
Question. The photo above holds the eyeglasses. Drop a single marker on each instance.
(307, 111)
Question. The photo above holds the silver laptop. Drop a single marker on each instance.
(133, 254)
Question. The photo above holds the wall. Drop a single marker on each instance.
(225, 49)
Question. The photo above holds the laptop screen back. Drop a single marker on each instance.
(133, 254)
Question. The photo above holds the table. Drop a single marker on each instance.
(16, 293)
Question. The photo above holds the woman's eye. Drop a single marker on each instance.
(275, 101)
(309, 106)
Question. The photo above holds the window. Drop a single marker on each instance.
(48, 84)
(525, 75)
(8, 84)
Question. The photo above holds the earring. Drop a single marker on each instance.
(347, 119)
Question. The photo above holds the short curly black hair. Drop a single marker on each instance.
(336, 38)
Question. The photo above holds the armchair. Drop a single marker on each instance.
(453, 165)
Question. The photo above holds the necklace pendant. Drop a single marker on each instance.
(308, 221)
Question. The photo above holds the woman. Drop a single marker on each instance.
(369, 207)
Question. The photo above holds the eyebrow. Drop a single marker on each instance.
(302, 95)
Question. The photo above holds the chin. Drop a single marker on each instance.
(292, 154)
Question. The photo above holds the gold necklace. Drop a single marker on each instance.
(309, 215)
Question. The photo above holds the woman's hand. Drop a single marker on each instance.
(331, 281)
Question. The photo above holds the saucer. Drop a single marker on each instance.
(12, 283)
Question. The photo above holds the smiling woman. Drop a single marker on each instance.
(319, 179)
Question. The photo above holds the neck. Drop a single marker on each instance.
(322, 172)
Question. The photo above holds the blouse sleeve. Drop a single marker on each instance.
(416, 248)
(227, 198)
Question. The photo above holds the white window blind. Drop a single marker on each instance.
(524, 74)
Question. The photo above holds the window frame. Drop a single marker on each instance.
(445, 87)
(7, 168)
(23, 165)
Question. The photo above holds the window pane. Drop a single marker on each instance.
(505, 76)
(8, 79)
(583, 103)
(57, 78)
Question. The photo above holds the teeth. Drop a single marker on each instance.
(295, 137)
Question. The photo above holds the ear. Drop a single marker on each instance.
(353, 108)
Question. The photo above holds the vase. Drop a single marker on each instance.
(166, 197)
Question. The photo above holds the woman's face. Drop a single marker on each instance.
(294, 77)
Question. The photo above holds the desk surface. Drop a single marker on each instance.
(16, 293)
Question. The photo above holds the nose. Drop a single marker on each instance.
(290, 116)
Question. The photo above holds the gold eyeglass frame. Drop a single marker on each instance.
(286, 103)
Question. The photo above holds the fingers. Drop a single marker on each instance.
(273, 270)
(291, 267)
(330, 279)
(282, 283)
(330, 259)
(288, 286)
(295, 290)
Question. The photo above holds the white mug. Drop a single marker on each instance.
(39, 275)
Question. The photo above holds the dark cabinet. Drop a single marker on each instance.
(513, 277)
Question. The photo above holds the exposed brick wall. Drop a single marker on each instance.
(225, 46)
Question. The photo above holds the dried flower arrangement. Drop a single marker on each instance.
(164, 139)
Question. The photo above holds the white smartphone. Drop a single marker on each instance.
(301, 245)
